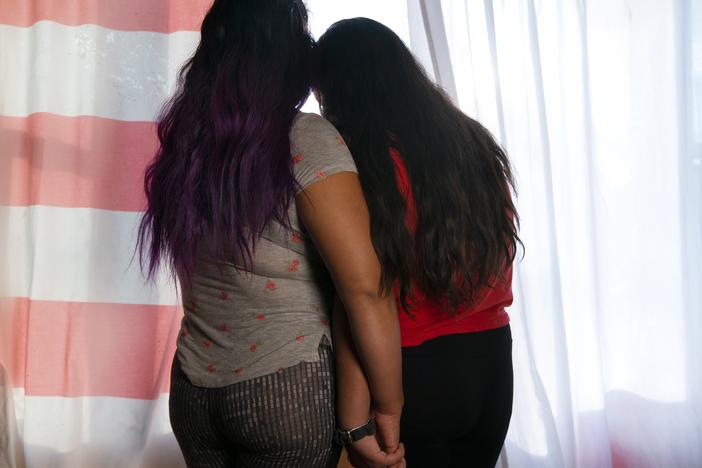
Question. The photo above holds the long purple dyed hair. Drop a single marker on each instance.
(223, 170)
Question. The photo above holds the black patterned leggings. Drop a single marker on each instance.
(283, 419)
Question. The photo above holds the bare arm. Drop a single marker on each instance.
(353, 395)
(336, 216)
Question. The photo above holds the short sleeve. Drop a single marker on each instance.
(317, 150)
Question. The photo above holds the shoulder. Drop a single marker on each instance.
(311, 126)
(318, 150)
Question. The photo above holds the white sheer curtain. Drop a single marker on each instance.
(598, 104)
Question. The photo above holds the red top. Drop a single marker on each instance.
(428, 320)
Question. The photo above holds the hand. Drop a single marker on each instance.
(387, 430)
(366, 453)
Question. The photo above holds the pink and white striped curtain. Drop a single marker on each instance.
(85, 343)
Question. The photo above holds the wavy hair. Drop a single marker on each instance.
(223, 169)
(378, 96)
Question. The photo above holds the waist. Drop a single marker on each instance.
(216, 352)
(464, 344)
(429, 320)
(425, 325)
(223, 329)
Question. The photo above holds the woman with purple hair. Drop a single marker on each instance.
(256, 208)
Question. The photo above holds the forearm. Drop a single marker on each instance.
(353, 395)
(336, 217)
(374, 326)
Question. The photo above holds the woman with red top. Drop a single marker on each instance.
(438, 188)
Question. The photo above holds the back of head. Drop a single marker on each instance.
(223, 169)
(379, 97)
(362, 58)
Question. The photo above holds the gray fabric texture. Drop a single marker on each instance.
(239, 325)
(285, 419)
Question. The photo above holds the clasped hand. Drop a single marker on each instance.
(382, 450)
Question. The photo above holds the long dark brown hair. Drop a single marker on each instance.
(379, 97)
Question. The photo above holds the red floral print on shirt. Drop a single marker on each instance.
(270, 285)
(321, 174)
(223, 327)
(294, 265)
(253, 348)
(296, 237)
(300, 337)
(211, 368)
(297, 158)
(261, 317)
(223, 295)
(207, 343)
(238, 370)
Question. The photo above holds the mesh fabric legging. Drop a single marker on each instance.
(284, 419)
(458, 399)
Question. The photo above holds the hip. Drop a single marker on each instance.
(286, 418)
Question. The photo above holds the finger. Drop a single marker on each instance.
(388, 448)
(371, 453)
(400, 449)
(396, 457)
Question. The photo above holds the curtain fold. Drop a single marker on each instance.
(598, 104)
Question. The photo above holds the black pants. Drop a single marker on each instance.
(458, 399)
(283, 420)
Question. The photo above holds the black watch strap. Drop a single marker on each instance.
(345, 437)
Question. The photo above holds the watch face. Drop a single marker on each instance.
(366, 430)
(343, 437)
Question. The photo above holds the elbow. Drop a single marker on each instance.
(366, 296)
(362, 289)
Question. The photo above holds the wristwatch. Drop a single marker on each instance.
(345, 437)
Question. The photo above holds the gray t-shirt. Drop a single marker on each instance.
(239, 325)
